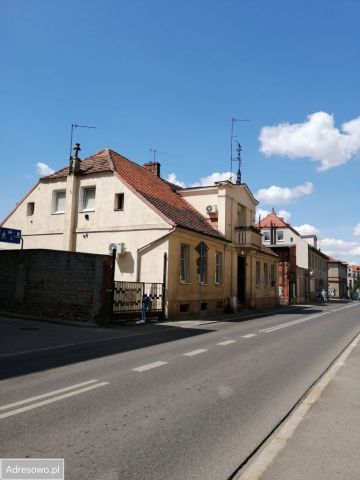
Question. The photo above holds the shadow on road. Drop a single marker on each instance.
(44, 358)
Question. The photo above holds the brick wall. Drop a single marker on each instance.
(56, 284)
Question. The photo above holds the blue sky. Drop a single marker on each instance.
(170, 75)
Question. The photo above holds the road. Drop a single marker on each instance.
(190, 406)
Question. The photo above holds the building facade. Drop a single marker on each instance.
(209, 258)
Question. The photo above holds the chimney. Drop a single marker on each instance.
(153, 167)
(75, 161)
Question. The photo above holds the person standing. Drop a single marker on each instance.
(323, 294)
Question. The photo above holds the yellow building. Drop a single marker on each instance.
(201, 241)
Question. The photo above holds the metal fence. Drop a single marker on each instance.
(128, 299)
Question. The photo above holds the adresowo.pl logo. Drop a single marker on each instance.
(32, 469)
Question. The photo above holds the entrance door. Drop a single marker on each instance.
(241, 280)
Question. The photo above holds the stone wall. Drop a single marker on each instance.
(56, 284)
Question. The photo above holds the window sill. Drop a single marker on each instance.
(57, 213)
(87, 210)
(118, 209)
(184, 282)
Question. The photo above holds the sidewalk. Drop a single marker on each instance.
(326, 444)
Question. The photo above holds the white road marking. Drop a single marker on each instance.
(255, 468)
(289, 324)
(44, 395)
(249, 335)
(195, 352)
(226, 342)
(149, 366)
(51, 400)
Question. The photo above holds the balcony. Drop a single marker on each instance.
(247, 236)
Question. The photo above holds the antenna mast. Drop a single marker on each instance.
(75, 125)
(155, 152)
(232, 136)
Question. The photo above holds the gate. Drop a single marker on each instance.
(128, 297)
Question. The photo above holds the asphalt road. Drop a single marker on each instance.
(192, 405)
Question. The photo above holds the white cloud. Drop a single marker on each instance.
(317, 139)
(341, 249)
(214, 177)
(284, 214)
(357, 229)
(42, 169)
(173, 179)
(275, 195)
(307, 229)
(204, 181)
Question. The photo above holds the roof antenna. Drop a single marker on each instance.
(75, 125)
(238, 175)
(232, 136)
(155, 152)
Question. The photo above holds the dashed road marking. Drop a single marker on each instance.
(226, 342)
(149, 366)
(249, 335)
(195, 352)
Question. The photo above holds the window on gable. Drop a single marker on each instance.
(59, 201)
(266, 236)
(280, 236)
(30, 208)
(119, 201)
(88, 199)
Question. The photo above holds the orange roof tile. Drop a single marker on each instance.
(276, 221)
(158, 192)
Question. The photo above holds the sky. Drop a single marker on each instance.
(170, 76)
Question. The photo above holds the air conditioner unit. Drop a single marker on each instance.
(211, 208)
(118, 247)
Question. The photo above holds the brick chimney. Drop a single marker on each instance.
(153, 167)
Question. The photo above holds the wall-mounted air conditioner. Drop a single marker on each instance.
(211, 209)
(118, 247)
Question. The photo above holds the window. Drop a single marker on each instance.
(184, 263)
(119, 201)
(266, 236)
(218, 268)
(30, 208)
(202, 267)
(272, 275)
(88, 199)
(59, 202)
(257, 280)
(266, 274)
(280, 236)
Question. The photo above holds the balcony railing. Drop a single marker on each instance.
(249, 236)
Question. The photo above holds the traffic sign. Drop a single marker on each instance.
(10, 235)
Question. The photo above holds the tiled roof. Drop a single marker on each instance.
(158, 192)
(276, 221)
(268, 251)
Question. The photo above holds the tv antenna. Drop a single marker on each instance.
(75, 125)
(238, 158)
(155, 152)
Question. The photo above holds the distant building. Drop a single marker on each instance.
(337, 279)
(302, 267)
(353, 275)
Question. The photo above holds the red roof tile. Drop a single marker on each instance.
(158, 192)
(276, 221)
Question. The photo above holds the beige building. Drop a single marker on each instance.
(158, 229)
(337, 275)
